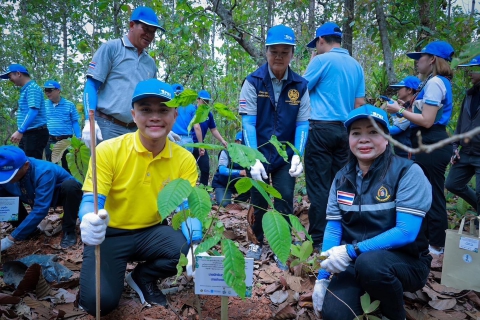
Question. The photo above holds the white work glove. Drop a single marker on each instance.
(6, 243)
(318, 295)
(337, 259)
(93, 227)
(172, 136)
(296, 167)
(257, 171)
(86, 133)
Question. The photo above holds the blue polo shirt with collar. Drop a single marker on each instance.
(61, 117)
(31, 96)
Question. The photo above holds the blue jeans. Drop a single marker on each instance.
(185, 140)
(223, 196)
(111, 130)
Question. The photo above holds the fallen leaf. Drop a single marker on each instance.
(279, 296)
(295, 283)
(305, 304)
(64, 296)
(284, 283)
(306, 296)
(8, 299)
(474, 298)
(443, 304)
(30, 280)
(272, 287)
(286, 313)
(32, 303)
(441, 315)
(266, 278)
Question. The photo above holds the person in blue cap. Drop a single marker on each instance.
(115, 69)
(400, 129)
(227, 171)
(62, 119)
(375, 238)
(41, 185)
(32, 133)
(199, 132)
(337, 85)
(185, 116)
(430, 115)
(274, 100)
(466, 154)
(132, 169)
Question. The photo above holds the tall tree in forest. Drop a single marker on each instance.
(387, 51)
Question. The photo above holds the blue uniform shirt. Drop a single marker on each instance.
(185, 115)
(61, 117)
(31, 96)
(205, 125)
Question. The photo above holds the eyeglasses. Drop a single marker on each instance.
(48, 90)
(148, 29)
(280, 55)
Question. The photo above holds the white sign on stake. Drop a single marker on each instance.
(9, 209)
(209, 277)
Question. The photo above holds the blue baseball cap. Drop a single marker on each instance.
(280, 35)
(177, 88)
(152, 88)
(146, 15)
(327, 29)
(365, 111)
(473, 63)
(204, 95)
(11, 160)
(239, 136)
(409, 82)
(14, 68)
(52, 84)
(440, 49)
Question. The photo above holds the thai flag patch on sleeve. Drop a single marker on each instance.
(345, 198)
(242, 104)
(92, 65)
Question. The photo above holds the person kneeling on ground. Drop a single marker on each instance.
(374, 239)
(132, 169)
(41, 185)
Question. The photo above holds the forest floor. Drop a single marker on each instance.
(276, 295)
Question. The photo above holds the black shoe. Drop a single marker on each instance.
(69, 239)
(148, 291)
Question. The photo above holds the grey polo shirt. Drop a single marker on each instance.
(119, 67)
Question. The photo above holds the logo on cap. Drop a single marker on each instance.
(377, 115)
(287, 37)
(6, 168)
(165, 93)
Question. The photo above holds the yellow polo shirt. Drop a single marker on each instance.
(130, 178)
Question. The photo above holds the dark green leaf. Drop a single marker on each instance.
(243, 155)
(297, 225)
(270, 189)
(172, 195)
(243, 185)
(179, 217)
(281, 149)
(277, 233)
(207, 244)
(199, 203)
(265, 195)
(184, 99)
(234, 267)
(182, 262)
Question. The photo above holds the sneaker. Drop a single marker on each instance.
(435, 251)
(280, 264)
(254, 251)
(69, 239)
(148, 291)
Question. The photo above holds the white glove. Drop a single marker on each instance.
(318, 295)
(337, 259)
(257, 171)
(6, 243)
(296, 167)
(93, 227)
(86, 133)
(172, 136)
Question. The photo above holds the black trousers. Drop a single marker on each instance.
(326, 153)
(435, 164)
(159, 248)
(385, 275)
(34, 141)
(204, 165)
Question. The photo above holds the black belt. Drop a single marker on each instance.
(58, 138)
(338, 123)
(130, 125)
(36, 129)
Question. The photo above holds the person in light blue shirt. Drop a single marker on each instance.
(62, 119)
(185, 116)
(337, 86)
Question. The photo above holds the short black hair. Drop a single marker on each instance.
(332, 39)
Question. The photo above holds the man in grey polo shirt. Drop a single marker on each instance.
(116, 68)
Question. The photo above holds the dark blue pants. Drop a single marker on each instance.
(158, 246)
(34, 141)
(204, 166)
(326, 153)
(385, 275)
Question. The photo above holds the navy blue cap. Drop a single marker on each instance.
(11, 159)
(204, 95)
(146, 15)
(152, 88)
(409, 82)
(473, 63)
(177, 88)
(239, 136)
(327, 29)
(52, 84)
(280, 35)
(365, 111)
(440, 49)
(14, 68)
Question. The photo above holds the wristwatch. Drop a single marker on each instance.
(357, 250)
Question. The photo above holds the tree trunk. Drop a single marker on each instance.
(311, 16)
(387, 50)
(348, 13)
(116, 26)
(449, 11)
(427, 22)
(65, 40)
(472, 13)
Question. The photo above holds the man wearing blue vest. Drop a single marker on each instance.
(274, 101)
(62, 119)
(336, 84)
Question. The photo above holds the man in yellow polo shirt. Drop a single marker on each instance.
(131, 170)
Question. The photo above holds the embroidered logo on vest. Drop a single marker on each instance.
(263, 94)
(382, 194)
(293, 94)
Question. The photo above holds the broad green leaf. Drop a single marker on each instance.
(179, 217)
(201, 115)
(278, 235)
(172, 195)
(199, 203)
(270, 189)
(265, 195)
(371, 317)
(78, 158)
(225, 112)
(297, 225)
(184, 99)
(58, 149)
(207, 244)
(281, 149)
(373, 306)
(243, 185)
(234, 267)
(295, 263)
(365, 301)
(462, 206)
(293, 148)
(244, 155)
(206, 146)
(182, 262)
(302, 252)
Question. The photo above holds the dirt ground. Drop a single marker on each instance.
(276, 295)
